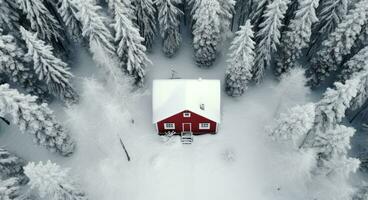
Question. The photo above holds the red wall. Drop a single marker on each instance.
(194, 119)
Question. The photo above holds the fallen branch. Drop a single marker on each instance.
(5, 120)
(126, 152)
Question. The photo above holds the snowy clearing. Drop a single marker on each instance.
(240, 162)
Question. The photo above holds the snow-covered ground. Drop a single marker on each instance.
(240, 162)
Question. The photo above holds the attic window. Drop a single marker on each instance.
(169, 126)
(201, 106)
(186, 114)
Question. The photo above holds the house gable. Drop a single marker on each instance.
(181, 118)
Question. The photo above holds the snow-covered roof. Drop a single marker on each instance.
(171, 96)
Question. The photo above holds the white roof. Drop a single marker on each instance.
(171, 96)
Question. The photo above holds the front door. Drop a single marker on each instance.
(187, 127)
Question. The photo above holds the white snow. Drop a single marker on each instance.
(240, 162)
(171, 96)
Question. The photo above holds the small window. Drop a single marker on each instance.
(186, 114)
(204, 126)
(169, 126)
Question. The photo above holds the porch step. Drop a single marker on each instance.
(186, 137)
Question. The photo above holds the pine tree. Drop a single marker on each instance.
(330, 110)
(42, 21)
(69, 13)
(53, 182)
(333, 142)
(239, 70)
(35, 119)
(244, 8)
(268, 37)
(10, 189)
(258, 9)
(206, 32)
(331, 14)
(338, 44)
(50, 69)
(14, 65)
(145, 19)
(297, 36)
(226, 16)
(100, 38)
(130, 48)
(9, 17)
(11, 165)
(355, 65)
(169, 22)
(294, 124)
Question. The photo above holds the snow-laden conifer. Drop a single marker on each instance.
(37, 120)
(145, 13)
(239, 70)
(355, 65)
(169, 22)
(268, 37)
(338, 44)
(258, 9)
(206, 32)
(50, 69)
(52, 181)
(11, 165)
(10, 189)
(96, 31)
(41, 19)
(244, 8)
(294, 124)
(297, 36)
(226, 16)
(69, 13)
(15, 67)
(9, 17)
(130, 48)
(331, 14)
(333, 142)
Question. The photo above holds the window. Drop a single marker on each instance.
(186, 114)
(204, 126)
(169, 126)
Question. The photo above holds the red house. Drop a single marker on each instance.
(186, 106)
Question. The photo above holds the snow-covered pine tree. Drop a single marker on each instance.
(355, 65)
(14, 66)
(330, 15)
(226, 17)
(50, 69)
(268, 37)
(10, 189)
(206, 32)
(297, 36)
(9, 17)
(96, 30)
(130, 48)
(330, 110)
(239, 70)
(294, 124)
(258, 9)
(69, 12)
(243, 9)
(333, 142)
(52, 181)
(35, 119)
(41, 20)
(11, 165)
(145, 13)
(169, 22)
(338, 44)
